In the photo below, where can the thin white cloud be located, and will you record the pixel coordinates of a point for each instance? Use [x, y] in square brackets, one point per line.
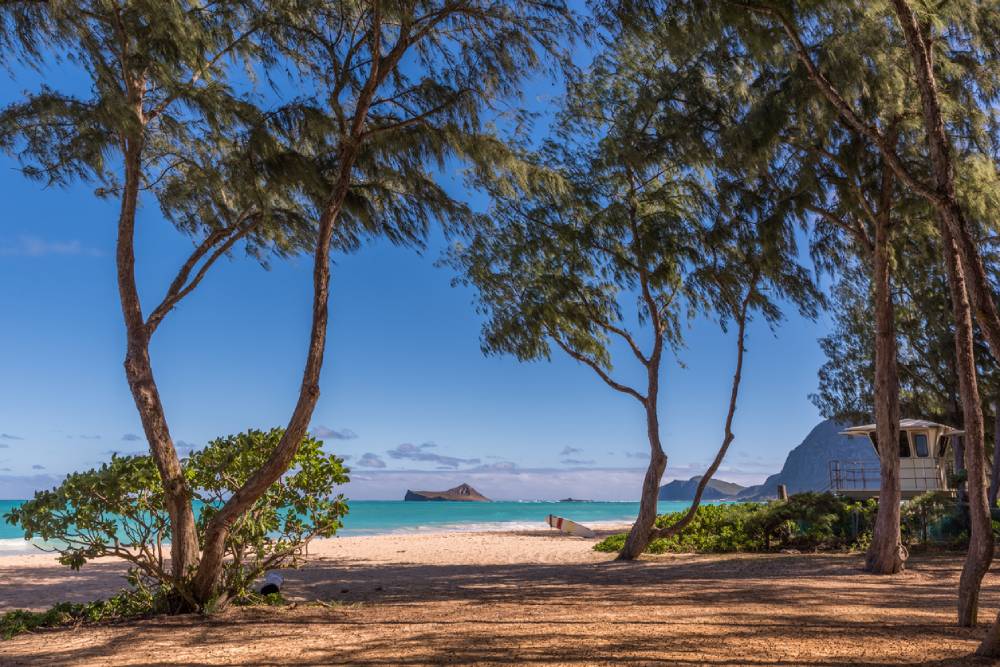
[371, 460]
[24, 486]
[326, 433]
[410, 452]
[33, 246]
[131, 437]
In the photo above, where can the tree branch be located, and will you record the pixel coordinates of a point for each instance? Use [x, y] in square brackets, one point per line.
[224, 238]
[625, 389]
[834, 97]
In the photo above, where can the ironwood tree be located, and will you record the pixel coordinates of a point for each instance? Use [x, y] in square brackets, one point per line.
[372, 96]
[624, 239]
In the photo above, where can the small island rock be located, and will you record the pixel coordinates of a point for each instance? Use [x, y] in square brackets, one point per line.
[462, 492]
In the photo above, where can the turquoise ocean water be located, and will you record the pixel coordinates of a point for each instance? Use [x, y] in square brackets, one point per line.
[372, 517]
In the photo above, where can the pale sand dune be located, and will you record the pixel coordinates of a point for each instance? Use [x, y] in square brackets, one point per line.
[517, 598]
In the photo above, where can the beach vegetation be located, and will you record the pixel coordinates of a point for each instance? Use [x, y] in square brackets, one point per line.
[119, 510]
[806, 521]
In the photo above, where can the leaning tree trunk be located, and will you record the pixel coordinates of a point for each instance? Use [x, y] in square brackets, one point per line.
[884, 554]
[728, 437]
[139, 372]
[209, 571]
[639, 535]
[980, 554]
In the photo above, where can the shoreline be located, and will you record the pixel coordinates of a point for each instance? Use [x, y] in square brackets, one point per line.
[30, 556]
[13, 547]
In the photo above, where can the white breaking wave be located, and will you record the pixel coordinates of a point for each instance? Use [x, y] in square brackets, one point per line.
[481, 527]
[19, 545]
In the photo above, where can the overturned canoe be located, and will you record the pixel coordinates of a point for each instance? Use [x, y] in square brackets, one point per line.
[570, 527]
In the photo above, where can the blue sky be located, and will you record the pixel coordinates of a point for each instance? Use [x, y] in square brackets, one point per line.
[406, 392]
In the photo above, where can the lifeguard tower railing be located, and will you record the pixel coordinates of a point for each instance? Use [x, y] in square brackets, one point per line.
[862, 478]
[854, 476]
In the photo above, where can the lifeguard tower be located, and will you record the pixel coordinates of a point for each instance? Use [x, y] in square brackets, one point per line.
[926, 461]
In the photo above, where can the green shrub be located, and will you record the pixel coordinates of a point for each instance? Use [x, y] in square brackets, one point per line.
[932, 517]
[118, 510]
[813, 521]
[804, 521]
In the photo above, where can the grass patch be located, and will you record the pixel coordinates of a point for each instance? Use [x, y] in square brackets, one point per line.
[123, 605]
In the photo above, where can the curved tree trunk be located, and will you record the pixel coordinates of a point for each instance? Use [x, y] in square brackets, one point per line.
[980, 554]
[639, 536]
[945, 200]
[884, 555]
[139, 372]
[209, 570]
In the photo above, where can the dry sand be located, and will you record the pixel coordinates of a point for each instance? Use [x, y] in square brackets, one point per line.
[517, 598]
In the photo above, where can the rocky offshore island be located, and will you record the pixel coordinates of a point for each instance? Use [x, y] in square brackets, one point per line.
[462, 492]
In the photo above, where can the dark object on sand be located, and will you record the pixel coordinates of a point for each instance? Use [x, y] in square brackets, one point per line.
[272, 584]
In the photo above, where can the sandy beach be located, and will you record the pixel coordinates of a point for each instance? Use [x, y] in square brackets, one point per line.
[518, 597]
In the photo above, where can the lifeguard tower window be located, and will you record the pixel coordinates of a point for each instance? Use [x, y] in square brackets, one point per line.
[904, 445]
[920, 444]
[942, 445]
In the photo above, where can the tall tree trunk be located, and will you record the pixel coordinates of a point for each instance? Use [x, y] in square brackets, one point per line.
[958, 449]
[968, 277]
[639, 535]
[139, 372]
[995, 468]
[980, 554]
[884, 554]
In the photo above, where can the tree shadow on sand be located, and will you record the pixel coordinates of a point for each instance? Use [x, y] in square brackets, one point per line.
[772, 609]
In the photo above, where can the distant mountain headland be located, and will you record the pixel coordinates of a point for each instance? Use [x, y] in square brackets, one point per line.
[807, 468]
[716, 489]
[462, 492]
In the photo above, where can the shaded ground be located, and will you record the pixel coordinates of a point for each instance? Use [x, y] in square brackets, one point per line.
[559, 604]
